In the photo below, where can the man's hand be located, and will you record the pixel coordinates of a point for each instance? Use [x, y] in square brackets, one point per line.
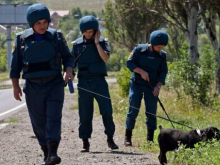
[156, 91]
[17, 93]
[143, 73]
[16, 89]
[68, 74]
[97, 36]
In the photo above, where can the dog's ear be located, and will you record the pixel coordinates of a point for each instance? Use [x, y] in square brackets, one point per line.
[160, 127]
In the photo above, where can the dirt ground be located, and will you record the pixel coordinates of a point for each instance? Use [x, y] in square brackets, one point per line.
[18, 145]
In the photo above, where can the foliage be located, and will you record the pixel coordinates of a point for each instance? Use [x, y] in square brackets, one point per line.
[203, 153]
[117, 58]
[176, 39]
[123, 80]
[128, 23]
[3, 60]
[2, 41]
[179, 111]
[198, 86]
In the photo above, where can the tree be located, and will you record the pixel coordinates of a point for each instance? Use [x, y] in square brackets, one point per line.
[176, 39]
[184, 15]
[131, 21]
[3, 60]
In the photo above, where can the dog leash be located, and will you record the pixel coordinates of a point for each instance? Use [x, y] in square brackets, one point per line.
[138, 109]
[161, 104]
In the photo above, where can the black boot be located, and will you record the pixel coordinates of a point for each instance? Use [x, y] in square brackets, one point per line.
[86, 145]
[45, 150]
[52, 153]
[150, 135]
[111, 143]
[128, 135]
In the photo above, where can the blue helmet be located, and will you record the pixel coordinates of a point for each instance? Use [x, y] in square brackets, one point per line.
[37, 12]
[159, 37]
[88, 22]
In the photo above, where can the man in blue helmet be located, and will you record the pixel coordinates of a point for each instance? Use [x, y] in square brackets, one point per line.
[91, 51]
[147, 62]
[40, 53]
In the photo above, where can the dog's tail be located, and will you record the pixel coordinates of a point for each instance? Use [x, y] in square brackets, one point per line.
[160, 126]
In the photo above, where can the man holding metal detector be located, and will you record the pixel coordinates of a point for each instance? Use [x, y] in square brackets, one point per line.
[149, 69]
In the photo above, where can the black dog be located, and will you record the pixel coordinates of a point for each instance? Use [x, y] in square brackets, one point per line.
[168, 139]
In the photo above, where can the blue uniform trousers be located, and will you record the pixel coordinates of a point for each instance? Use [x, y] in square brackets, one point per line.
[86, 107]
[45, 103]
[136, 93]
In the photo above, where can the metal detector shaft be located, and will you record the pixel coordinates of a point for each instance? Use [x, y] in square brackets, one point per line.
[165, 111]
[165, 118]
[161, 105]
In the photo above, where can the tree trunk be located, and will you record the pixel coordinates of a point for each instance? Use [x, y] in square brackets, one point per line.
[144, 40]
[218, 60]
[209, 24]
[192, 35]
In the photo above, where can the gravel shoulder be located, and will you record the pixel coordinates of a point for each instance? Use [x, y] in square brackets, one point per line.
[20, 147]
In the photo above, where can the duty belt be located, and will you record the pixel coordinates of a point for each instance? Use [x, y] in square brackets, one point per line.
[42, 80]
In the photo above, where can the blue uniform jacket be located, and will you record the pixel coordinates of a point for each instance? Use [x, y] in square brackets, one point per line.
[153, 63]
[88, 59]
[17, 61]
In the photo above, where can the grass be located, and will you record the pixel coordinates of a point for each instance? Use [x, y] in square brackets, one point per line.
[180, 111]
[12, 121]
[4, 76]
[92, 5]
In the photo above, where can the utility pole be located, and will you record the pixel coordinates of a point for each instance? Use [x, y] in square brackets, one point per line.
[11, 15]
[9, 45]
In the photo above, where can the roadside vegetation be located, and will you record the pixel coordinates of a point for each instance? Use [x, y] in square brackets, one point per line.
[191, 93]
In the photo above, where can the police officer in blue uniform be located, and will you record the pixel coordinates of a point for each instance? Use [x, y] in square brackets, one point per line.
[147, 62]
[40, 53]
[91, 51]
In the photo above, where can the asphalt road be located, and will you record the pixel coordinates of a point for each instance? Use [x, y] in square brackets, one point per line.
[8, 105]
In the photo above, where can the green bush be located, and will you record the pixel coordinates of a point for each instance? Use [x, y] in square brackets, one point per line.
[203, 153]
[3, 60]
[196, 81]
[123, 79]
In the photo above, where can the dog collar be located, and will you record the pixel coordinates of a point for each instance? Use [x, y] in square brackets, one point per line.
[198, 132]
